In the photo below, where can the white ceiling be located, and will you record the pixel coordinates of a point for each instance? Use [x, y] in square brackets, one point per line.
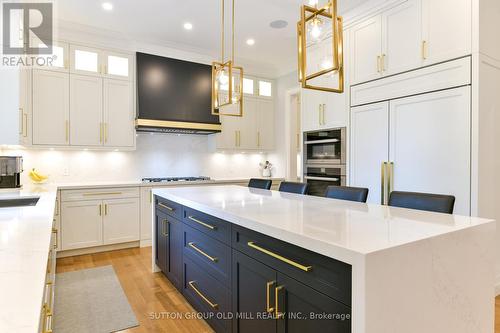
[161, 22]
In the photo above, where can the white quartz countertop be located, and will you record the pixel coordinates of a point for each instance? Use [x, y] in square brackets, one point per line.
[335, 228]
[25, 234]
[138, 183]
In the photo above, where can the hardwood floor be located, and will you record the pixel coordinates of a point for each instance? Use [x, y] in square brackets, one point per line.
[150, 293]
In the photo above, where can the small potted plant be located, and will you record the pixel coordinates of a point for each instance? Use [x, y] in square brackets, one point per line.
[266, 168]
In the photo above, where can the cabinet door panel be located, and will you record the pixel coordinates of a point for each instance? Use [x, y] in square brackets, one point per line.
[369, 147]
[228, 138]
[50, 108]
[175, 246]
[402, 50]
[430, 144]
[86, 111]
[81, 224]
[118, 114]
[447, 29]
[248, 124]
[366, 46]
[161, 241]
[300, 303]
[265, 124]
[250, 292]
[311, 109]
[85, 60]
[118, 65]
[121, 220]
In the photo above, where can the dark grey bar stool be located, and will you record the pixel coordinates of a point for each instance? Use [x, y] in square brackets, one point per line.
[358, 194]
[264, 184]
[292, 187]
[423, 201]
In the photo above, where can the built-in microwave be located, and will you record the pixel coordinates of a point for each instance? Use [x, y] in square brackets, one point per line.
[319, 177]
[325, 147]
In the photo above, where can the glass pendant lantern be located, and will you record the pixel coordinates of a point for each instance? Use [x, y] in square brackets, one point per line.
[320, 47]
[227, 79]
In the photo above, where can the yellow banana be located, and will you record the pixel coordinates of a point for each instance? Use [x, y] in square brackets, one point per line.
[34, 176]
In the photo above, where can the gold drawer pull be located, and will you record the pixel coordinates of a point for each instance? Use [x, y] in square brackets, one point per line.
[279, 257]
[101, 193]
[213, 305]
[166, 207]
[269, 308]
[47, 325]
[278, 314]
[193, 246]
[206, 225]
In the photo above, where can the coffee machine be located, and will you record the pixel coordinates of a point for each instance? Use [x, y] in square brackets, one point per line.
[10, 171]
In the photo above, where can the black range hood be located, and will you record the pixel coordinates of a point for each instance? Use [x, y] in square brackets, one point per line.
[174, 96]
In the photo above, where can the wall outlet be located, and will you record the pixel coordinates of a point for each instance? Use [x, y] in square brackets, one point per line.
[65, 171]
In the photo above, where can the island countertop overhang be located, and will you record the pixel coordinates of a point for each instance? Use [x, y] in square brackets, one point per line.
[346, 231]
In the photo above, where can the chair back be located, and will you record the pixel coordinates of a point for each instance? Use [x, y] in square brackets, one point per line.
[264, 184]
[423, 201]
[292, 187]
[357, 194]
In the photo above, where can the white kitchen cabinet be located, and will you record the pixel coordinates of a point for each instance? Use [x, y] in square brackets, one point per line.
[430, 144]
[369, 147]
[427, 139]
[12, 117]
[50, 108]
[265, 124]
[146, 214]
[97, 217]
[447, 29]
[81, 224]
[86, 125]
[118, 126]
[58, 60]
[253, 131]
[312, 108]
[248, 124]
[366, 50]
[121, 221]
[401, 37]
[323, 110]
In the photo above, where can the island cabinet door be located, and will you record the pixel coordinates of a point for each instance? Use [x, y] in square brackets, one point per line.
[254, 287]
[175, 247]
[302, 309]
[161, 241]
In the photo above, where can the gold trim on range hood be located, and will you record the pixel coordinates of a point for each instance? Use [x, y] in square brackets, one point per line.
[177, 125]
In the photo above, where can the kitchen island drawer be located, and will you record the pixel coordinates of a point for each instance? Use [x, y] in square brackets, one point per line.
[328, 276]
[210, 225]
[207, 296]
[209, 254]
[168, 207]
[99, 194]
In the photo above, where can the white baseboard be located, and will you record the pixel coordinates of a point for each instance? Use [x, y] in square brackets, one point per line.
[146, 242]
[497, 286]
[97, 249]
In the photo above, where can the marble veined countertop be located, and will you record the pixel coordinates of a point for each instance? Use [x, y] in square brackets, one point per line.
[335, 228]
[24, 247]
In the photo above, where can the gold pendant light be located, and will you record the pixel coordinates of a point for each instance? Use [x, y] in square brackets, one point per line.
[315, 29]
[227, 79]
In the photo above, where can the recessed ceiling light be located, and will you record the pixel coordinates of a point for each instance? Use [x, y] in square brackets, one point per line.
[278, 24]
[188, 26]
[250, 41]
[107, 6]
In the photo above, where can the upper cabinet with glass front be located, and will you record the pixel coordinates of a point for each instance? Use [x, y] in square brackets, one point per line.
[103, 63]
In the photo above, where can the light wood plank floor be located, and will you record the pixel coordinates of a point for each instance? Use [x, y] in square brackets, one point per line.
[151, 292]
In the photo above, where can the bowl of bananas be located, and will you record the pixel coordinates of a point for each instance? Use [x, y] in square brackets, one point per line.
[37, 178]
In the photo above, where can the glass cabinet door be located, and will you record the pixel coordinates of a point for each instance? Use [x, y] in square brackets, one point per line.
[58, 60]
[117, 65]
[85, 60]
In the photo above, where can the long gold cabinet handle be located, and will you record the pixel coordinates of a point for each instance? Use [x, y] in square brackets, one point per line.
[424, 50]
[166, 207]
[280, 257]
[277, 313]
[67, 130]
[203, 253]
[56, 232]
[383, 175]
[203, 297]
[269, 308]
[390, 182]
[383, 62]
[379, 66]
[206, 225]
